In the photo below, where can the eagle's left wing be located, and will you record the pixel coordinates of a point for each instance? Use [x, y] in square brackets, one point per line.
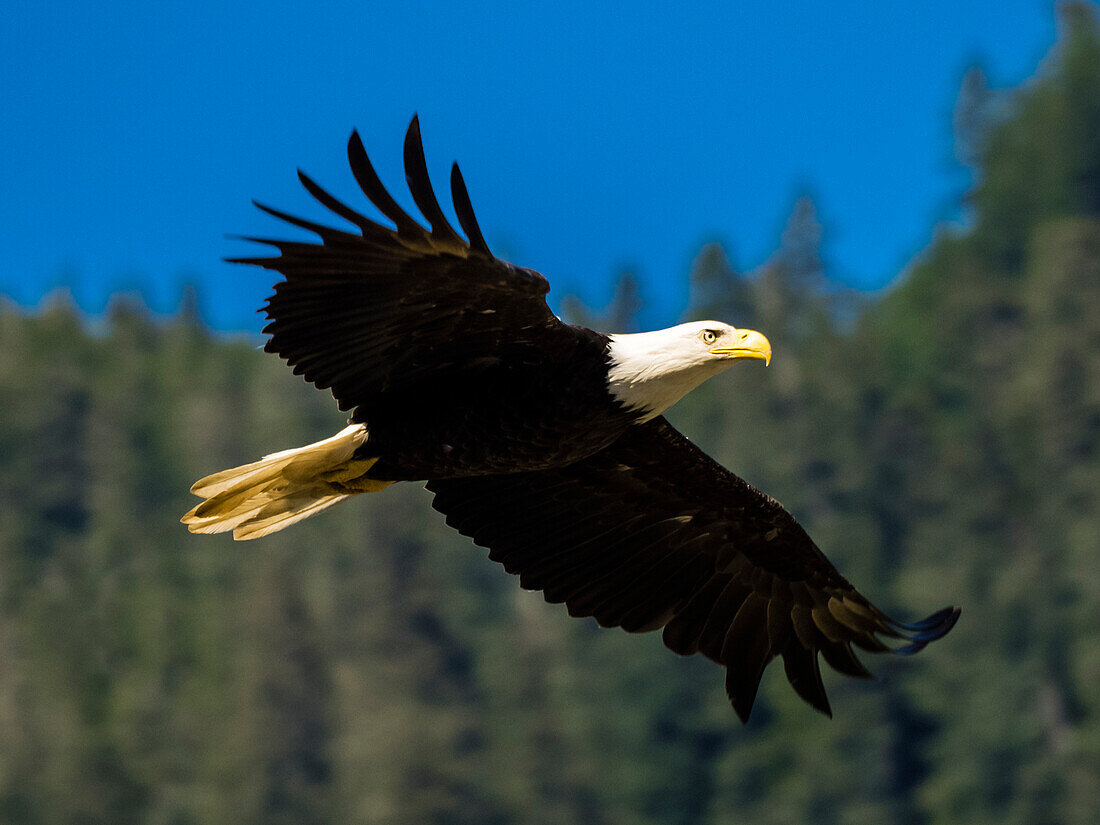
[377, 314]
[652, 532]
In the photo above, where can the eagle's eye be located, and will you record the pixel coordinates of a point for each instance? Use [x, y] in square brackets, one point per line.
[709, 336]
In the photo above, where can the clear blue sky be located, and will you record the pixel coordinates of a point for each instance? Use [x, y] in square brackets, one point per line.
[592, 136]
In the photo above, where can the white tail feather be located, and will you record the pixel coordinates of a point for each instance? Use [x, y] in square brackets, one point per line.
[280, 489]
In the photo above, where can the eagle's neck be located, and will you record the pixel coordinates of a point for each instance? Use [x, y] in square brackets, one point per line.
[648, 372]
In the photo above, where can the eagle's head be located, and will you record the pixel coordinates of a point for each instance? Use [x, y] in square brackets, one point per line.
[651, 371]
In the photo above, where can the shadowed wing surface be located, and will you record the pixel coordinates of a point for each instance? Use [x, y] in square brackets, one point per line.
[651, 532]
[380, 310]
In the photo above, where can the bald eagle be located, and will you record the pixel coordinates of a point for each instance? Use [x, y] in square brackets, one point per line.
[541, 441]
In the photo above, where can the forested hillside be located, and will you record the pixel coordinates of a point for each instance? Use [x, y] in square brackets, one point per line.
[941, 442]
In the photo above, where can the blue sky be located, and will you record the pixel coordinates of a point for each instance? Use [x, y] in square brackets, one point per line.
[593, 137]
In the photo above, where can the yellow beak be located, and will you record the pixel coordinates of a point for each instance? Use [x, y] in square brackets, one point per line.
[747, 343]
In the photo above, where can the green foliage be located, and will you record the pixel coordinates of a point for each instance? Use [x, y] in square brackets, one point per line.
[371, 666]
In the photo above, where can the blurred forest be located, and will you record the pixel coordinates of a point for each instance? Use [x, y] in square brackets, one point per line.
[941, 441]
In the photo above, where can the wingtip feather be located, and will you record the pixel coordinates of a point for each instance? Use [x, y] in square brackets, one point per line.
[464, 210]
[420, 186]
[367, 178]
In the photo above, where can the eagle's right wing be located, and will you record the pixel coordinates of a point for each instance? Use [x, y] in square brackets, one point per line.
[652, 532]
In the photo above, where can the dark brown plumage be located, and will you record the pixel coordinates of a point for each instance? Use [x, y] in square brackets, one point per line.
[651, 532]
[541, 441]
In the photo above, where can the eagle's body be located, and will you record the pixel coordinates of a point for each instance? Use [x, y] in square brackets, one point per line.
[544, 409]
[540, 440]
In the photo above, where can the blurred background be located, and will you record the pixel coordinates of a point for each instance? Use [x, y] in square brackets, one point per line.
[904, 197]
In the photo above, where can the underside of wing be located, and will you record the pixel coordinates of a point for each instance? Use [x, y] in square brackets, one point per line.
[382, 308]
[653, 533]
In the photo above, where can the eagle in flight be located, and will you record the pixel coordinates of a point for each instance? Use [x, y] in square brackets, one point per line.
[541, 441]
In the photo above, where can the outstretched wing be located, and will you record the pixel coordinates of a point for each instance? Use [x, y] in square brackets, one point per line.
[376, 311]
[652, 532]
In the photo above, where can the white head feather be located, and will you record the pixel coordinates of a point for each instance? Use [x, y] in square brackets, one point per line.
[651, 371]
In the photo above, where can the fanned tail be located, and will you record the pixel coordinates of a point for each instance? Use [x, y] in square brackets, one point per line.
[280, 489]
